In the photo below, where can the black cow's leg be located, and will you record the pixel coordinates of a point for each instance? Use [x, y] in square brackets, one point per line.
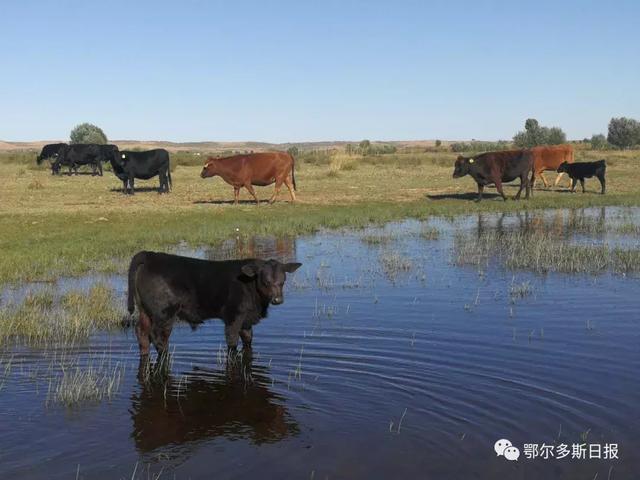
[232, 334]
[602, 183]
[246, 334]
[582, 184]
[523, 179]
[131, 186]
[160, 335]
[124, 186]
[143, 332]
[163, 183]
[574, 182]
[480, 190]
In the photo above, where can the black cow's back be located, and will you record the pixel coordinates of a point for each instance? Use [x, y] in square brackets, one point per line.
[129, 165]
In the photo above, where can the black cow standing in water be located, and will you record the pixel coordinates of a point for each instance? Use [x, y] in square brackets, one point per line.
[49, 151]
[581, 170]
[166, 288]
[128, 165]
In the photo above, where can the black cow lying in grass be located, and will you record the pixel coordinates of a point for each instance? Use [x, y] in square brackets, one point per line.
[582, 170]
[128, 166]
[166, 288]
[498, 168]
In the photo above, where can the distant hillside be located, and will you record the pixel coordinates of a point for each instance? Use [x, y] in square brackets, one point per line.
[215, 146]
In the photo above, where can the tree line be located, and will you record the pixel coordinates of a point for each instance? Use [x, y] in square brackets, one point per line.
[622, 133]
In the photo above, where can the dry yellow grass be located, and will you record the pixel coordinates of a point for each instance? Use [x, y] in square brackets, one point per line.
[346, 180]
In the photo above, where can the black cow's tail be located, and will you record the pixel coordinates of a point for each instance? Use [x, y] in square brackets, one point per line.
[293, 174]
[137, 260]
[169, 182]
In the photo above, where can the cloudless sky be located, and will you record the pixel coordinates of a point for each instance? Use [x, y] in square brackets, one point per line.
[304, 70]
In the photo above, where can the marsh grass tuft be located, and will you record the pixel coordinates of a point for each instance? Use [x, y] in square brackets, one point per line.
[520, 290]
[41, 318]
[393, 264]
[541, 252]
[92, 382]
[429, 233]
[379, 238]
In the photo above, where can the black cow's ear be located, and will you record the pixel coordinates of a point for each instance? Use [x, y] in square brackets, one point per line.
[291, 267]
[250, 270]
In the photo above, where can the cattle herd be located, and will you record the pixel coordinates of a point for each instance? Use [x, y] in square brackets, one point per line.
[527, 165]
[166, 288]
[245, 170]
[261, 169]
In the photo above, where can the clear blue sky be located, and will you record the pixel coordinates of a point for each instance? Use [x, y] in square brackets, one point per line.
[302, 70]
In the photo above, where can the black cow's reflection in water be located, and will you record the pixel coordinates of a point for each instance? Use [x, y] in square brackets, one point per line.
[236, 404]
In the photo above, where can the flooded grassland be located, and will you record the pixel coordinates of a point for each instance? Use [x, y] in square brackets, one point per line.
[402, 350]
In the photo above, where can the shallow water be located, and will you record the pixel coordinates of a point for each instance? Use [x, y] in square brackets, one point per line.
[385, 360]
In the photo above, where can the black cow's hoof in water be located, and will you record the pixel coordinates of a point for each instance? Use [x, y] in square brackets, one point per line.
[127, 321]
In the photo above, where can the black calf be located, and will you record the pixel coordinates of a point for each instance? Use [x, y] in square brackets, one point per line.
[581, 170]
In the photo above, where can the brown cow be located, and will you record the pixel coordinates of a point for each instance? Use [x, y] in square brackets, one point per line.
[250, 169]
[498, 168]
[550, 158]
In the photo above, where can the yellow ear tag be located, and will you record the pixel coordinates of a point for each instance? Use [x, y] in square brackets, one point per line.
[471, 160]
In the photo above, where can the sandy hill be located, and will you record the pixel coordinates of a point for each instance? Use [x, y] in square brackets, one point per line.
[213, 146]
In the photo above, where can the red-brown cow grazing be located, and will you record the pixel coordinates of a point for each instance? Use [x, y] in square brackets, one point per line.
[550, 158]
[259, 169]
[497, 168]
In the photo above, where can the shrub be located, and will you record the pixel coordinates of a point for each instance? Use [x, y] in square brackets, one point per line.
[87, 133]
[624, 132]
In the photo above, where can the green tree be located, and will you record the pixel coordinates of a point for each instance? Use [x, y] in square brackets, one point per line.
[293, 151]
[438, 143]
[88, 133]
[598, 141]
[365, 147]
[554, 136]
[534, 135]
[623, 132]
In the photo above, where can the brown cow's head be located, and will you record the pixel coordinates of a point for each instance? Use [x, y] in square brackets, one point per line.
[461, 167]
[209, 169]
[269, 276]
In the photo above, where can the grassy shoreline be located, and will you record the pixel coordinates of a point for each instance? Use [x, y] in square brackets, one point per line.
[43, 248]
[69, 226]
